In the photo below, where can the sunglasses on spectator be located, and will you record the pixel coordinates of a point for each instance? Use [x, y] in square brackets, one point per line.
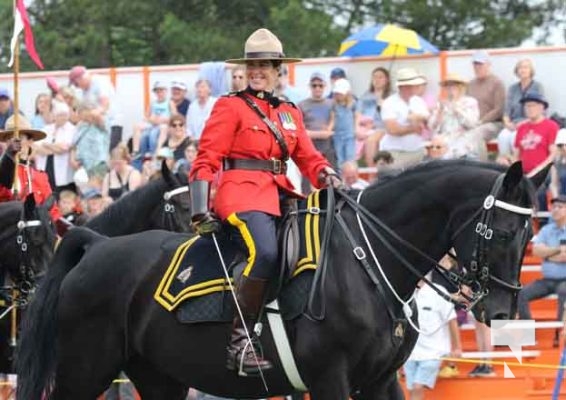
[177, 125]
[316, 85]
[560, 145]
[437, 147]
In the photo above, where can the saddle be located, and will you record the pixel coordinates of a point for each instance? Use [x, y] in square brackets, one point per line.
[195, 287]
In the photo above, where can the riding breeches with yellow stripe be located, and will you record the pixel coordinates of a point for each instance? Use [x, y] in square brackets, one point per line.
[258, 239]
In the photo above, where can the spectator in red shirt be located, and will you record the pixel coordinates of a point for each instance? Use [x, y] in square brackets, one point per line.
[534, 143]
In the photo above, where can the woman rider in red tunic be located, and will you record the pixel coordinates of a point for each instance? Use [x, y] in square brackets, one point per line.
[249, 135]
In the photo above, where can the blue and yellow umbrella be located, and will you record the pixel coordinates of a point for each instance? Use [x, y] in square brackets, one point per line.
[385, 40]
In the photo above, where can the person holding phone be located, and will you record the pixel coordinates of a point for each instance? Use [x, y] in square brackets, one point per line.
[550, 245]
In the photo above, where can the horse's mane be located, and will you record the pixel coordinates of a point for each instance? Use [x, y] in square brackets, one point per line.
[424, 171]
[124, 209]
[434, 166]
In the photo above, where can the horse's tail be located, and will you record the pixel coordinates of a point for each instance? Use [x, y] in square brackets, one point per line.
[36, 358]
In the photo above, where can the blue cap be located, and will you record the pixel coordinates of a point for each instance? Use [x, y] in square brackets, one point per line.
[536, 97]
[337, 73]
[4, 93]
[92, 193]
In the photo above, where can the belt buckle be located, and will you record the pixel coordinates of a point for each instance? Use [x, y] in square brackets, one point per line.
[276, 166]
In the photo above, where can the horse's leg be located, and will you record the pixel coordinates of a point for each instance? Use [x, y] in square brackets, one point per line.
[390, 390]
[332, 385]
[152, 384]
[90, 356]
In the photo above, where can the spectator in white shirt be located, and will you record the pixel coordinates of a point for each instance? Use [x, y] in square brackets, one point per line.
[53, 152]
[403, 138]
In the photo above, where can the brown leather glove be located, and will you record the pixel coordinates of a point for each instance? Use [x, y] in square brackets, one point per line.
[206, 224]
[331, 178]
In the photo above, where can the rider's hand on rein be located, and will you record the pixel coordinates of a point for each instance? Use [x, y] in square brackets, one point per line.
[206, 224]
[331, 178]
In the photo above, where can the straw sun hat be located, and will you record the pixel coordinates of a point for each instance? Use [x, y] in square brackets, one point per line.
[24, 129]
[263, 45]
[453, 78]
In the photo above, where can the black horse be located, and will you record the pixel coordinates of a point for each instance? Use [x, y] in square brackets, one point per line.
[161, 204]
[95, 315]
[26, 246]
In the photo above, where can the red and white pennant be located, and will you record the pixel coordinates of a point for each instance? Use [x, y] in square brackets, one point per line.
[21, 22]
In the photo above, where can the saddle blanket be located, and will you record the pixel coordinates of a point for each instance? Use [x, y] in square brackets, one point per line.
[195, 287]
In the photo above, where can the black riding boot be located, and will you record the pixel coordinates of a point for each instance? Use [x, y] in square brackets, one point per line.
[250, 293]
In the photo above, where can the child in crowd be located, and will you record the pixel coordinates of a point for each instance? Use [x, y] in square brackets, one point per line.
[344, 119]
[69, 205]
[150, 134]
[440, 337]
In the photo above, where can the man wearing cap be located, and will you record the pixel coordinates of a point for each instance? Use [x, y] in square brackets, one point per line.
[550, 245]
[317, 112]
[28, 178]
[489, 91]
[534, 143]
[100, 91]
[403, 129]
[179, 97]
[250, 135]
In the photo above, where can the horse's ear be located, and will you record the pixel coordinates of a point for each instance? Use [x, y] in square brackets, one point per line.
[29, 205]
[539, 176]
[513, 175]
[167, 174]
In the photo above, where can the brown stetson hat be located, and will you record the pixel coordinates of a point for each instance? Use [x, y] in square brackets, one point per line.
[24, 129]
[263, 45]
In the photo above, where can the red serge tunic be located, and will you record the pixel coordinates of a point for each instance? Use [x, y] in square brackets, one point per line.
[235, 131]
[40, 188]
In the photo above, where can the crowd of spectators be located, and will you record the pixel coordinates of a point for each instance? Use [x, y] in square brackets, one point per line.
[391, 126]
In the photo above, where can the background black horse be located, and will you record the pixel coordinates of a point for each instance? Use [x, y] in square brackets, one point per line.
[140, 210]
[95, 314]
[147, 208]
[24, 254]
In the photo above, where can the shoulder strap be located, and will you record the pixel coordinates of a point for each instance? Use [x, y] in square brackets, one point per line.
[272, 127]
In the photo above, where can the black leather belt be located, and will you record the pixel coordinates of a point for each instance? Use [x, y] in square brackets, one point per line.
[275, 166]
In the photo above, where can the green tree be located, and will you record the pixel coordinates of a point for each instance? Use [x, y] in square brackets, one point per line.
[153, 32]
[450, 24]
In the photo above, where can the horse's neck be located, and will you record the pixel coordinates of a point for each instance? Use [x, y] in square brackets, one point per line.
[130, 214]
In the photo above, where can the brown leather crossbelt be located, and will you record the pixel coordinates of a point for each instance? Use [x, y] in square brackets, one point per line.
[274, 165]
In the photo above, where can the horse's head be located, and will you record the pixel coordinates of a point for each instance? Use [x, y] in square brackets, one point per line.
[490, 244]
[175, 213]
[36, 240]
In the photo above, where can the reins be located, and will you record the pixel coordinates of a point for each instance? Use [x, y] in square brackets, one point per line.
[476, 277]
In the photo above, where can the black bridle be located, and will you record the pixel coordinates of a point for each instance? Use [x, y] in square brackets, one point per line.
[478, 274]
[24, 278]
[169, 207]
